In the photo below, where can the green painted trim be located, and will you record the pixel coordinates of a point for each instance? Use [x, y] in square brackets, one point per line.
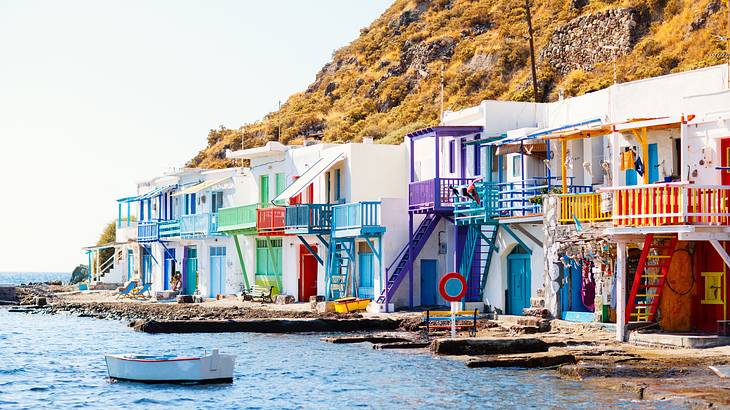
[273, 262]
[240, 259]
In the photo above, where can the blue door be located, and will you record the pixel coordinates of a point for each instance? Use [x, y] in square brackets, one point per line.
[653, 164]
[130, 264]
[518, 281]
[429, 282]
[170, 267]
[146, 266]
[366, 271]
[571, 292]
[217, 271]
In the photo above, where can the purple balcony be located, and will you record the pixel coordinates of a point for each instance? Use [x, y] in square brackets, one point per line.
[433, 194]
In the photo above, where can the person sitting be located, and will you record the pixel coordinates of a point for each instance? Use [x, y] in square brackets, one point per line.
[176, 281]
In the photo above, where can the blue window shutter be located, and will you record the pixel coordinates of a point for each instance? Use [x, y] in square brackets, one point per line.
[477, 157]
[452, 156]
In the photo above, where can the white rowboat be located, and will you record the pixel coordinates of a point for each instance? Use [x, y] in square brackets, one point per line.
[212, 368]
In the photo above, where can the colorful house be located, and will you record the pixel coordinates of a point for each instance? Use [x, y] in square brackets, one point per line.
[327, 197]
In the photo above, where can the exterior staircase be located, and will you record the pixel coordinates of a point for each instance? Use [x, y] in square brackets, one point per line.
[480, 245]
[399, 265]
[340, 264]
[650, 277]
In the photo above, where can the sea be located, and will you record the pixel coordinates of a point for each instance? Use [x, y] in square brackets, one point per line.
[57, 362]
[19, 278]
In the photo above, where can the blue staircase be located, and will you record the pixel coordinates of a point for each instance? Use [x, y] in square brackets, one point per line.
[400, 264]
[480, 245]
[339, 268]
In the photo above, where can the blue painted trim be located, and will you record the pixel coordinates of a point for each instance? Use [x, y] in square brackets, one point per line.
[517, 238]
[324, 241]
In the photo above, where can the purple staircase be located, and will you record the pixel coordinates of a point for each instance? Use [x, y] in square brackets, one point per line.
[399, 265]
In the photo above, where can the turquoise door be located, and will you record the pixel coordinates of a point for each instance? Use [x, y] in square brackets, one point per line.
[366, 271]
[518, 281]
[130, 264]
[217, 270]
[653, 167]
[191, 271]
[428, 282]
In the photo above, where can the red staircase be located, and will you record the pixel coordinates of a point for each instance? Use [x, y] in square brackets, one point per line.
[650, 276]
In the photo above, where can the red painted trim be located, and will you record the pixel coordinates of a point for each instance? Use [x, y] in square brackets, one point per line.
[179, 359]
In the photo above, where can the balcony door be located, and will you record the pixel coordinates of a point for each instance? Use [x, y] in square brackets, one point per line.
[725, 161]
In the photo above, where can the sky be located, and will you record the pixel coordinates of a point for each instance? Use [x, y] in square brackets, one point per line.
[96, 96]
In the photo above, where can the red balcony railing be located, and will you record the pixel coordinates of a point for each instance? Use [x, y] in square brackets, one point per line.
[271, 221]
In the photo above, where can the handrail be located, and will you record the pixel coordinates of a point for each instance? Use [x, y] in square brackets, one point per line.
[356, 215]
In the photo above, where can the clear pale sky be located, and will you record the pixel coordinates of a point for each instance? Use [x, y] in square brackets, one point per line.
[98, 95]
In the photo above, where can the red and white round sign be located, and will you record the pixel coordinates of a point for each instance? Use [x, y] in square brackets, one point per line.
[452, 287]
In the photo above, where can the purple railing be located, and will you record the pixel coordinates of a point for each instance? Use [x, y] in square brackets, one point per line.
[433, 193]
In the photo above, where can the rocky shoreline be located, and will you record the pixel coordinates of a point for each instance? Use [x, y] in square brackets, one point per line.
[575, 352]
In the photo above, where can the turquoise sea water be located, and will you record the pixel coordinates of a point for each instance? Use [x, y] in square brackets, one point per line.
[51, 362]
[18, 278]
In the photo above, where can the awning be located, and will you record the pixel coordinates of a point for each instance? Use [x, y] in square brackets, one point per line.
[105, 246]
[202, 186]
[310, 175]
[580, 133]
[151, 194]
[535, 147]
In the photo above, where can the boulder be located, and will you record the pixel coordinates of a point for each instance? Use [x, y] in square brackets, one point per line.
[489, 346]
[325, 307]
[529, 361]
[284, 299]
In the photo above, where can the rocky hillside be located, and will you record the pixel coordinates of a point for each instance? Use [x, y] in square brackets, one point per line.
[387, 82]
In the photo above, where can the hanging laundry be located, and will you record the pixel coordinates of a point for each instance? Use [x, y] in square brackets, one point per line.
[627, 159]
[639, 166]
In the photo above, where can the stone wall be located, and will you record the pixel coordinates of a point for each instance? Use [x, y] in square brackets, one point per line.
[582, 42]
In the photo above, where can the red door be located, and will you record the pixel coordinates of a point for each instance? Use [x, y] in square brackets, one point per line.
[307, 274]
[725, 162]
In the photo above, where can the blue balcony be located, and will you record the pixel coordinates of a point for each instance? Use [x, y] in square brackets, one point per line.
[509, 200]
[198, 225]
[155, 230]
[312, 219]
[357, 219]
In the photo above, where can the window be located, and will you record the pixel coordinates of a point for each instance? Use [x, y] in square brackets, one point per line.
[452, 156]
[327, 186]
[189, 204]
[516, 166]
[216, 202]
[264, 189]
[338, 186]
[477, 157]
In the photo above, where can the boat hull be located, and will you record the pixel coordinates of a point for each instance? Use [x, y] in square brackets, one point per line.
[213, 368]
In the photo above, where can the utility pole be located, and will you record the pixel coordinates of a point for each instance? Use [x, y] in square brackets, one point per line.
[441, 112]
[532, 50]
[279, 136]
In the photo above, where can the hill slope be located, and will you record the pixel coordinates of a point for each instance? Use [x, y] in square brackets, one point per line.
[387, 82]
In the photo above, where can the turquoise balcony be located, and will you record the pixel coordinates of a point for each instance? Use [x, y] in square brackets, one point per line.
[238, 220]
[313, 219]
[357, 219]
[198, 225]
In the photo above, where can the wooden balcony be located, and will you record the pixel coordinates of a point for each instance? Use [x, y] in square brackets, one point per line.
[271, 221]
[314, 219]
[238, 220]
[357, 219]
[198, 225]
[582, 207]
[508, 200]
[433, 194]
[156, 230]
[671, 204]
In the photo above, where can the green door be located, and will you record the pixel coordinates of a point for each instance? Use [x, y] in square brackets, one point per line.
[264, 190]
[268, 263]
[191, 270]
[280, 185]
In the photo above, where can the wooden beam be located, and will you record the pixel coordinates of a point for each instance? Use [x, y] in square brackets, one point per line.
[721, 251]
[517, 238]
[240, 260]
[528, 234]
[620, 291]
[563, 152]
[310, 249]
